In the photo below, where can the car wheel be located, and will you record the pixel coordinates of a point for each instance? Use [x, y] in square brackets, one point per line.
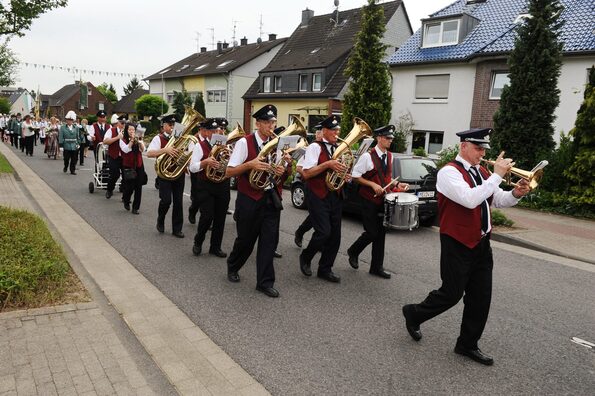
[298, 197]
[91, 187]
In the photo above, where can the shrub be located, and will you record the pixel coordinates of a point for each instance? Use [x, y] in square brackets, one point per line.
[420, 152]
[447, 155]
[499, 219]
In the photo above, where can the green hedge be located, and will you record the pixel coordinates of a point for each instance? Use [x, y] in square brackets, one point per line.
[4, 165]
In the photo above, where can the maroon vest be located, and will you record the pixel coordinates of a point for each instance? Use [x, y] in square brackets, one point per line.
[244, 179]
[163, 140]
[113, 150]
[317, 184]
[376, 175]
[206, 151]
[98, 134]
[457, 221]
[129, 158]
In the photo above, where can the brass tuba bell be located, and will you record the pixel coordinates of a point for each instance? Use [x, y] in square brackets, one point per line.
[222, 153]
[532, 177]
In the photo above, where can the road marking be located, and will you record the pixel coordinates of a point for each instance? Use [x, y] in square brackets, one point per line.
[582, 342]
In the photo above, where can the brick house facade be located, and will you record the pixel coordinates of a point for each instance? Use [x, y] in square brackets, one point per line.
[483, 109]
[68, 98]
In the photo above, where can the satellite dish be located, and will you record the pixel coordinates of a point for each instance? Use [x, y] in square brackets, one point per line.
[336, 3]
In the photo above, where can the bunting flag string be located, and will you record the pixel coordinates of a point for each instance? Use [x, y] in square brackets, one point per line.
[83, 71]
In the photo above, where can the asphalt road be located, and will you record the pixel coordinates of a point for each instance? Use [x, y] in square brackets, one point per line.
[349, 338]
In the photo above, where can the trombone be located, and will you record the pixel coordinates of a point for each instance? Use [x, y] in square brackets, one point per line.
[532, 177]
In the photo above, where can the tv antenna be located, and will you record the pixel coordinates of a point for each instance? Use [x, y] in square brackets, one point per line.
[212, 37]
[197, 39]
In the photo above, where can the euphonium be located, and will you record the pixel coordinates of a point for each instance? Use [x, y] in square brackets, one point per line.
[261, 179]
[532, 177]
[335, 180]
[170, 167]
[221, 153]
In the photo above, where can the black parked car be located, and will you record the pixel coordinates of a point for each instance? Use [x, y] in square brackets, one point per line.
[418, 172]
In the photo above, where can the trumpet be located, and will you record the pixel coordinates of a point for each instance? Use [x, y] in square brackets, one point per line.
[532, 177]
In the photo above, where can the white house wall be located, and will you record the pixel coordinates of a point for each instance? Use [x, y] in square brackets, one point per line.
[450, 116]
[571, 83]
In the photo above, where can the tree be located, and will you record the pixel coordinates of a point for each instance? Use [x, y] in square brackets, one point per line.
[108, 92]
[181, 99]
[199, 104]
[8, 65]
[403, 129]
[369, 93]
[16, 16]
[4, 106]
[523, 125]
[150, 106]
[131, 86]
[581, 171]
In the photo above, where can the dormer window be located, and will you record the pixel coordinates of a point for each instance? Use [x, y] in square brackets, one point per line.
[521, 18]
[441, 33]
[182, 68]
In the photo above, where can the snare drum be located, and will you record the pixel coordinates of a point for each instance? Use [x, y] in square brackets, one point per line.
[400, 211]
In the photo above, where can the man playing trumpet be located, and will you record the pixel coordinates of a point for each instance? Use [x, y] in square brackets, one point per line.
[465, 193]
[373, 171]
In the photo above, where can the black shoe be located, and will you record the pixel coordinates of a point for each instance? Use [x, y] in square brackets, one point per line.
[305, 266]
[412, 327]
[127, 205]
[277, 254]
[381, 273]
[196, 250]
[269, 291]
[108, 194]
[192, 218]
[298, 239]
[353, 261]
[160, 227]
[218, 253]
[329, 276]
[475, 354]
[233, 276]
[178, 234]
[64, 169]
[135, 211]
[73, 173]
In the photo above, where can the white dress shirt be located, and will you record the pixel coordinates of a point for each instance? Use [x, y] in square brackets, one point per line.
[108, 134]
[196, 158]
[312, 154]
[365, 164]
[155, 143]
[240, 151]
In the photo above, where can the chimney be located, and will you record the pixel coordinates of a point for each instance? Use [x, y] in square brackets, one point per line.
[272, 37]
[244, 41]
[219, 47]
[203, 49]
[225, 45]
[306, 16]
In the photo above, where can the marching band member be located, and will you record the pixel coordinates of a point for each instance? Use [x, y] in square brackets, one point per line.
[307, 223]
[465, 192]
[194, 203]
[98, 130]
[114, 160]
[324, 206]
[257, 212]
[15, 130]
[373, 171]
[212, 198]
[69, 139]
[170, 191]
[132, 158]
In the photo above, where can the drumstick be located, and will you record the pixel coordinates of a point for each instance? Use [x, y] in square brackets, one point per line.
[388, 185]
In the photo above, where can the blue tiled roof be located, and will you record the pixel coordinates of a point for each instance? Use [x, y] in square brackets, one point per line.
[496, 31]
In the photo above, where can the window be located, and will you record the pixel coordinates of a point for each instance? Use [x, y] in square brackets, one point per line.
[170, 98]
[432, 87]
[182, 68]
[100, 106]
[277, 83]
[201, 67]
[216, 96]
[316, 81]
[266, 84]
[499, 80]
[227, 62]
[441, 33]
[303, 82]
[431, 142]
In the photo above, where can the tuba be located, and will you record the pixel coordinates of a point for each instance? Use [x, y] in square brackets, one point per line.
[261, 179]
[221, 153]
[335, 180]
[170, 167]
[532, 177]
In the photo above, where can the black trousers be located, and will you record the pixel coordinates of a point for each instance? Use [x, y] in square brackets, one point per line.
[325, 215]
[22, 143]
[29, 143]
[114, 171]
[172, 191]
[213, 200]
[14, 140]
[304, 227]
[465, 272]
[374, 233]
[255, 220]
[135, 187]
[70, 160]
[194, 206]
[82, 153]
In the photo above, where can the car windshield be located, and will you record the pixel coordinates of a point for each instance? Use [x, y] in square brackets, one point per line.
[416, 168]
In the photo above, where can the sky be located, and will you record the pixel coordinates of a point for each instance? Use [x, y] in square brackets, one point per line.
[142, 37]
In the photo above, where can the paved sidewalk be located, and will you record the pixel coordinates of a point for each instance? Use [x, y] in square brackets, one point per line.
[560, 235]
[192, 363]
